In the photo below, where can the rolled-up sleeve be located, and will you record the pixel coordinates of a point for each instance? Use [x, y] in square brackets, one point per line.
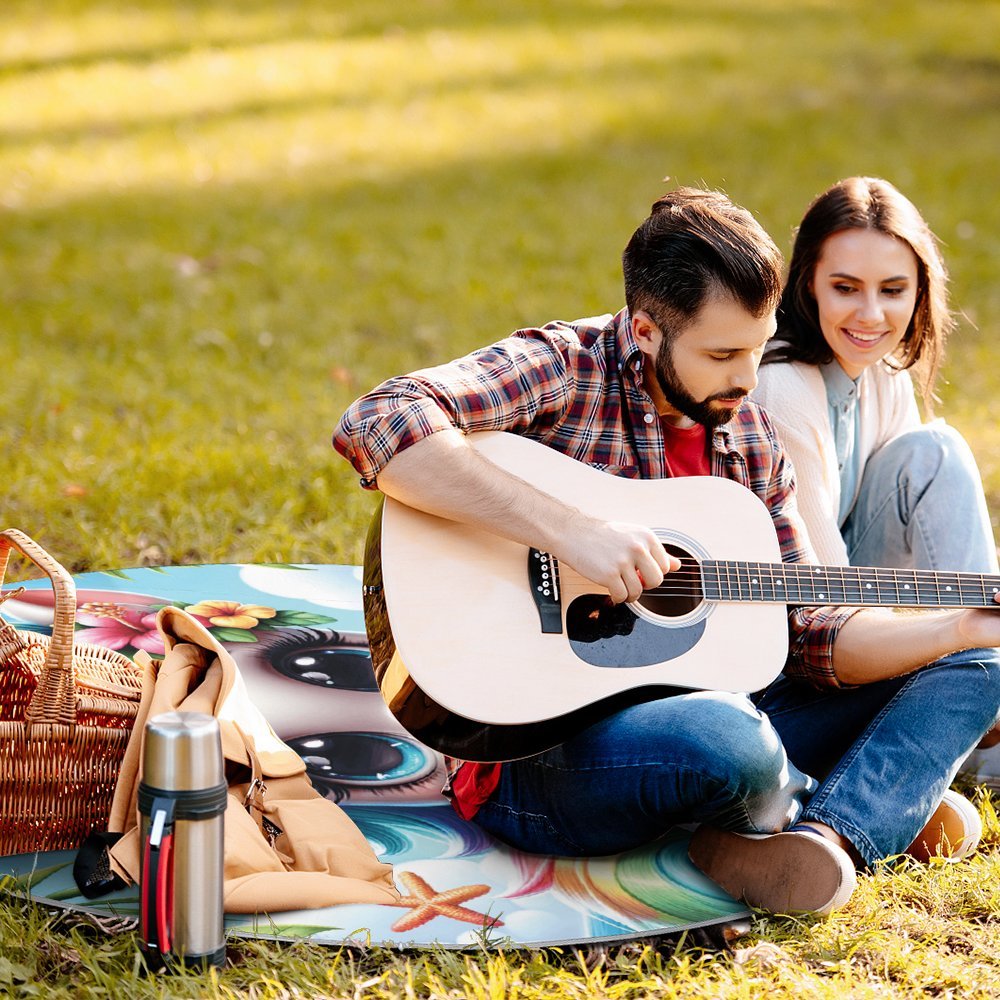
[517, 383]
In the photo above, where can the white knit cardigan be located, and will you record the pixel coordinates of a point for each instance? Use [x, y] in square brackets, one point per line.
[794, 395]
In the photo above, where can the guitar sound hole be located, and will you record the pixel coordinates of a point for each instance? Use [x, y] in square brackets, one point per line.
[680, 593]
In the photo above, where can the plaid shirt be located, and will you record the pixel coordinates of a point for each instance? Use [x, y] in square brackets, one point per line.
[577, 387]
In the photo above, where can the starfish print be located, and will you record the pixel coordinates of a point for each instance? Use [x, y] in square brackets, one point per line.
[426, 904]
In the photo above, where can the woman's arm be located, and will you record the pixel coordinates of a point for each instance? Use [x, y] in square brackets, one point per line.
[878, 643]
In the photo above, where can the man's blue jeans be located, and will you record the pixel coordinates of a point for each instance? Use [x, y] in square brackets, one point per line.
[872, 762]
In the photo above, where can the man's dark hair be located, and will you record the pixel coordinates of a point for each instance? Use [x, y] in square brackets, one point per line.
[694, 244]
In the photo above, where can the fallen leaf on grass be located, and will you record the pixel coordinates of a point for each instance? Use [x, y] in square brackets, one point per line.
[765, 954]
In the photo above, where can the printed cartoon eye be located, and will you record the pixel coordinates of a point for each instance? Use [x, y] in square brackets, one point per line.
[337, 762]
[317, 656]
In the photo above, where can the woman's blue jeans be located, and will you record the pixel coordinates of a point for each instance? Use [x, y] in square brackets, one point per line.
[920, 505]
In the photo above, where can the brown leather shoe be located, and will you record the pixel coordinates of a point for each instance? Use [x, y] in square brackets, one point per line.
[953, 832]
[788, 872]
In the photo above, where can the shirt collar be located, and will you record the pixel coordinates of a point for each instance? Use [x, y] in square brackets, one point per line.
[630, 357]
[840, 387]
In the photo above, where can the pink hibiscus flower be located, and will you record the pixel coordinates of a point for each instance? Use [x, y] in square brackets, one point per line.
[114, 626]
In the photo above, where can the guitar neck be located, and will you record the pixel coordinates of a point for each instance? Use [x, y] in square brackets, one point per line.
[801, 583]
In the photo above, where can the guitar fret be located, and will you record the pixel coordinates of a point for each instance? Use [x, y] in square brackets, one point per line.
[889, 587]
[909, 592]
[729, 583]
[949, 589]
[867, 586]
[781, 584]
[706, 569]
[799, 597]
[771, 589]
[851, 584]
[766, 582]
[829, 594]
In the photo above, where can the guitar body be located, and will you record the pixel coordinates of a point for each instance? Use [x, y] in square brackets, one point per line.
[458, 636]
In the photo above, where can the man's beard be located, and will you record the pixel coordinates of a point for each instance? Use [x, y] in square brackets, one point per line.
[680, 399]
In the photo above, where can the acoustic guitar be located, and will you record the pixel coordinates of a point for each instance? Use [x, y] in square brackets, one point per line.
[488, 650]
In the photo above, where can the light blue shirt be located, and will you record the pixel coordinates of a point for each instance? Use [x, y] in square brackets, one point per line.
[842, 402]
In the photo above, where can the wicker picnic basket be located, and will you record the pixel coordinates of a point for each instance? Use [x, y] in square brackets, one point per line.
[66, 712]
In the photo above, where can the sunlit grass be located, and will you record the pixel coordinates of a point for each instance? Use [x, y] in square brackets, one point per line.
[220, 224]
[909, 932]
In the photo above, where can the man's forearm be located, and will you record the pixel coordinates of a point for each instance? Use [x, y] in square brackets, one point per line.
[444, 475]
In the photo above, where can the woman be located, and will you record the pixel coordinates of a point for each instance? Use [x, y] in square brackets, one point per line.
[865, 304]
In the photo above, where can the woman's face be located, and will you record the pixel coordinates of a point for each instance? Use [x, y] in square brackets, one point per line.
[865, 285]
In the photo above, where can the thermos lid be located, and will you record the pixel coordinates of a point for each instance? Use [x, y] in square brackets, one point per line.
[182, 752]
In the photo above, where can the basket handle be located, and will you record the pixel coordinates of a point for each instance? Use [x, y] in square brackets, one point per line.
[54, 700]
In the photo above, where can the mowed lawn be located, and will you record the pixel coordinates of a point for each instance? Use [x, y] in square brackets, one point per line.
[221, 221]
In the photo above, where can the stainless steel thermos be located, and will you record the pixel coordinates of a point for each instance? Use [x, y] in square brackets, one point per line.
[182, 800]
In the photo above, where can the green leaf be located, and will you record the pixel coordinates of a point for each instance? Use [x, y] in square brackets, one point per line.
[300, 618]
[11, 972]
[118, 573]
[233, 634]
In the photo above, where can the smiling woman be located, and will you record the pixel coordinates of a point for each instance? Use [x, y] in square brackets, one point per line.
[864, 304]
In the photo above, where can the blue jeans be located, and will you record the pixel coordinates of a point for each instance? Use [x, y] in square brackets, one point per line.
[921, 506]
[623, 782]
[884, 754]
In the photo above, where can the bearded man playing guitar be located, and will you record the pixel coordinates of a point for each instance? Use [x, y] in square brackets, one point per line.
[843, 760]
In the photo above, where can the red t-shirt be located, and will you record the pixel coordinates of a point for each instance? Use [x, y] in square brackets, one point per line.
[686, 450]
[686, 455]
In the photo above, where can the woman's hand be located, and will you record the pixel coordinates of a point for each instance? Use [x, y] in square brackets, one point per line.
[980, 627]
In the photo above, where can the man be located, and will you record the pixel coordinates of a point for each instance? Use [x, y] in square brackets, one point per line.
[851, 750]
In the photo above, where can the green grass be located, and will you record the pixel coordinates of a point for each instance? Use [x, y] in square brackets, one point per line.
[910, 932]
[221, 221]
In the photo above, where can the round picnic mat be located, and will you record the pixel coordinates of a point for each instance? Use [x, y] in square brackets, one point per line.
[297, 634]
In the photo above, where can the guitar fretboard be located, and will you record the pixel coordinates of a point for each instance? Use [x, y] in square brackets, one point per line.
[792, 583]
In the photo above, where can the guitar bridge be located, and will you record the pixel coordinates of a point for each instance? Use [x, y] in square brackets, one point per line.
[543, 578]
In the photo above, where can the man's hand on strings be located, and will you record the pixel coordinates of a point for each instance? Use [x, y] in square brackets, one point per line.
[624, 558]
